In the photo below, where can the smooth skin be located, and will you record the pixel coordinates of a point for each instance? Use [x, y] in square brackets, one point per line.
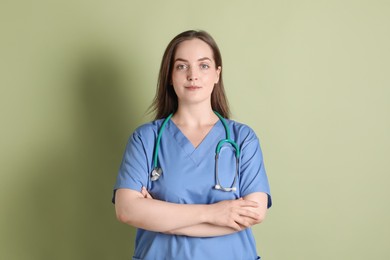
[193, 78]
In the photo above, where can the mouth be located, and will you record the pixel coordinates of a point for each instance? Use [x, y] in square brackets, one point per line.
[192, 87]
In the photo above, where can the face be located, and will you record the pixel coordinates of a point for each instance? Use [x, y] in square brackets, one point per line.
[194, 72]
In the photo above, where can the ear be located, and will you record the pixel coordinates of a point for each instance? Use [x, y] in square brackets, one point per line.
[218, 71]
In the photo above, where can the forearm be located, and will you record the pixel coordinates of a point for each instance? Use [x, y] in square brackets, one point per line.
[202, 230]
[156, 215]
[262, 199]
[209, 230]
[140, 210]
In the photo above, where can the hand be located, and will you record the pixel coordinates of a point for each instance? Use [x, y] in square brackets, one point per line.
[236, 214]
[145, 193]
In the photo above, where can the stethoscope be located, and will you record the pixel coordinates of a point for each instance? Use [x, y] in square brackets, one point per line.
[157, 171]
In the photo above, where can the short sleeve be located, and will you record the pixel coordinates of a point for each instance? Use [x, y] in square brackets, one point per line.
[133, 171]
[253, 177]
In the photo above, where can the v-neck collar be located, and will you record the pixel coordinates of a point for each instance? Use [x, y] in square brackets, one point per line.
[210, 141]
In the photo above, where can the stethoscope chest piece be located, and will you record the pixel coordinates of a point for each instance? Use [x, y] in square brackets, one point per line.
[156, 173]
[227, 189]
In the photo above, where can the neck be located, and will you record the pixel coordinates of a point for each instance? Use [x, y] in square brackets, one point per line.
[195, 116]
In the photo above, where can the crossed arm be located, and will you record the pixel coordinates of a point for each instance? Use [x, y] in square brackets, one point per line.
[140, 210]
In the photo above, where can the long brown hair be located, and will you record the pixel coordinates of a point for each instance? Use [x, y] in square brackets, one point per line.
[165, 101]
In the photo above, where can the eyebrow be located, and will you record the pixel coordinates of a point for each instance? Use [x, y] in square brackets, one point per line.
[201, 59]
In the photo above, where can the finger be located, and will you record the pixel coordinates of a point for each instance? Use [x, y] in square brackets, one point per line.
[236, 226]
[242, 223]
[248, 203]
[245, 222]
[248, 213]
[239, 222]
[146, 194]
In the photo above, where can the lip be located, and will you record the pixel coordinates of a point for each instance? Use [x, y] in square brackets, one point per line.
[192, 87]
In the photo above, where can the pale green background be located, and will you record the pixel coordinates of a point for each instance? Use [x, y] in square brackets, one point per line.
[311, 78]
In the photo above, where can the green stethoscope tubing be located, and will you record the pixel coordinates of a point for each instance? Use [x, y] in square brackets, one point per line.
[155, 156]
[156, 173]
[228, 139]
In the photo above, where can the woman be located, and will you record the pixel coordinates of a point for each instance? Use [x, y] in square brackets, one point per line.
[185, 203]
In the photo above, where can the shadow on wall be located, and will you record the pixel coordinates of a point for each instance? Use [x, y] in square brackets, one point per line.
[66, 200]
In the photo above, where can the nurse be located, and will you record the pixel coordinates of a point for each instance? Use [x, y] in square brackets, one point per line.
[190, 211]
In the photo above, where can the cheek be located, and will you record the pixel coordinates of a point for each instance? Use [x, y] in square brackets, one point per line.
[211, 79]
[177, 77]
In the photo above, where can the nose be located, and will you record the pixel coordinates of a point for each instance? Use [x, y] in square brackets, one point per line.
[192, 74]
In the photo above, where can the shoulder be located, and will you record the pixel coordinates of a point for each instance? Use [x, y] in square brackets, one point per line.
[246, 139]
[242, 131]
[147, 131]
[148, 128]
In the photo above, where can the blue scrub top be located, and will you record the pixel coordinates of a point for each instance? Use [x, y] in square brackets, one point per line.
[188, 178]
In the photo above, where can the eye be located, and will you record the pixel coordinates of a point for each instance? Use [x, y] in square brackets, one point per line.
[204, 66]
[181, 66]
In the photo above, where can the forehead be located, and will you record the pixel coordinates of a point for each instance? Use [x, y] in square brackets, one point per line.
[194, 49]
